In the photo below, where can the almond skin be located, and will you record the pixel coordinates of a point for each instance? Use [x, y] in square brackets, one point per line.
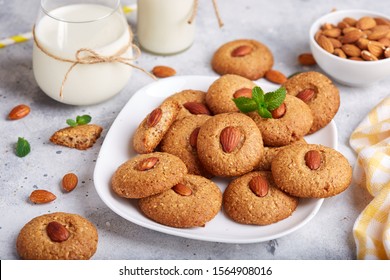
[242, 51]
[69, 182]
[57, 232]
[275, 77]
[163, 71]
[18, 112]
[351, 37]
[182, 189]
[306, 95]
[42, 196]
[147, 163]
[243, 92]
[325, 43]
[313, 159]
[229, 138]
[279, 112]
[197, 108]
[259, 186]
[365, 23]
[306, 59]
[194, 137]
[366, 55]
[154, 117]
[351, 50]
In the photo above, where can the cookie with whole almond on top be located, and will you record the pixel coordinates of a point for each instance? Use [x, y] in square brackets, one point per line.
[154, 126]
[311, 171]
[319, 93]
[255, 199]
[247, 58]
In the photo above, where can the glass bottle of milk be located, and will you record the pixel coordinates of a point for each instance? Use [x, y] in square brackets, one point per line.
[163, 27]
[64, 27]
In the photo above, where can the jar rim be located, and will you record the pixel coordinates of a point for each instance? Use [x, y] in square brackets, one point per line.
[50, 14]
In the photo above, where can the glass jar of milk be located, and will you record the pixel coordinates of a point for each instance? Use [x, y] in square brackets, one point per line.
[66, 27]
[163, 27]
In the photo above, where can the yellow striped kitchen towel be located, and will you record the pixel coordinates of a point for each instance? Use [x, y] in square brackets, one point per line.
[371, 141]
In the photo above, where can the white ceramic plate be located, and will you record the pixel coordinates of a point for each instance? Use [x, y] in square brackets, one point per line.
[117, 148]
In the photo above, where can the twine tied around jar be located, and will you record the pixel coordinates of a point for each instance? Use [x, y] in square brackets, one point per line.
[195, 10]
[90, 56]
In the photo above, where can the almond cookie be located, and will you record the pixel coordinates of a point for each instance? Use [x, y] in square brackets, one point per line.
[247, 58]
[219, 97]
[270, 153]
[153, 128]
[80, 137]
[229, 144]
[191, 102]
[311, 170]
[319, 93]
[254, 199]
[181, 139]
[191, 203]
[57, 236]
[147, 174]
[294, 123]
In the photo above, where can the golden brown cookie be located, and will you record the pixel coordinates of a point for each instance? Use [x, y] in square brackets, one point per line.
[229, 144]
[311, 170]
[153, 128]
[181, 139]
[247, 58]
[191, 102]
[293, 125]
[192, 203]
[57, 236]
[317, 91]
[147, 174]
[219, 97]
[80, 137]
[270, 153]
[255, 199]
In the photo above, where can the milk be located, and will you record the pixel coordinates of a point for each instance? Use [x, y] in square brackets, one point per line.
[162, 25]
[78, 28]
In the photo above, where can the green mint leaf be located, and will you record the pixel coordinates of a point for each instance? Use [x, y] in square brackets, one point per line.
[22, 147]
[245, 104]
[275, 98]
[264, 113]
[258, 95]
[84, 119]
[71, 122]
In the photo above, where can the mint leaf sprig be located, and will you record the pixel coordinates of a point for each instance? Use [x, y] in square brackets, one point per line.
[260, 102]
[22, 147]
[80, 120]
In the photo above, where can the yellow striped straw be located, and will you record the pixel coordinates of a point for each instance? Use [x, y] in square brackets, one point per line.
[20, 38]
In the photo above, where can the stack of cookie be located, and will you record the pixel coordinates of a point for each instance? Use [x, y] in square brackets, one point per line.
[194, 136]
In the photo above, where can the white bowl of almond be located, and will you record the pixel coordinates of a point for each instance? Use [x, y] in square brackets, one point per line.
[352, 46]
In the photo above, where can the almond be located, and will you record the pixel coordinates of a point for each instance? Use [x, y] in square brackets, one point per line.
[362, 43]
[41, 196]
[327, 26]
[57, 232]
[306, 95]
[340, 53]
[242, 51]
[230, 138]
[335, 42]
[69, 182]
[147, 163]
[387, 52]
[375, 48]
[385, 42]
[365, 23]
[163, 71]
[332, 32]
[279, 112]
[366, 55]
[381, 21]
[182, 189]
[356, 58]
[351, 50]
[313, 159]
[194, 137]
[349, 29]
[317, 35]
[342, 25]
[351, 37]
[243, 92]
[197, 108]
[350, 21]
[325, 43]
[259, 186]
[275, 76]
[154, 117]
[19, 112]
[379, 34]
[306, 59]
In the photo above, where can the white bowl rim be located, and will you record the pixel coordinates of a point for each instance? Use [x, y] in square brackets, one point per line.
[323, 18]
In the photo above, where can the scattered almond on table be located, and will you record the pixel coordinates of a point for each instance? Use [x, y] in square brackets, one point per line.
[275, 76]
[42, 196]
[69, 182]
[163, 71]
[306, 59]
[19, 111]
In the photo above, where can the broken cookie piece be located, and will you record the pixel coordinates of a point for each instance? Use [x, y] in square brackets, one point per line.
[80, 137]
